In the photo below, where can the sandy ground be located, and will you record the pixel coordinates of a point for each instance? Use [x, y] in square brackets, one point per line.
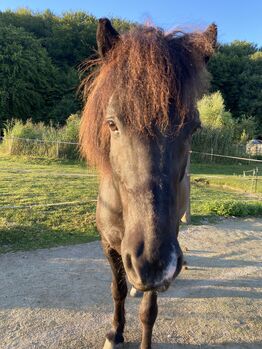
[59, 298]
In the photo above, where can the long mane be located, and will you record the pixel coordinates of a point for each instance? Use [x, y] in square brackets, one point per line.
[144, 72]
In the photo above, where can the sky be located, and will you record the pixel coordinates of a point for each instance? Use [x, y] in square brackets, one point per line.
[236, 19]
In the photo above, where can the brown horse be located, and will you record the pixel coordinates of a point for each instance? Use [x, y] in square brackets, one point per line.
[136, 128]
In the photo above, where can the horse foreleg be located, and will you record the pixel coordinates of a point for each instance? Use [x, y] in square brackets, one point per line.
[119, 293]
[148, 314]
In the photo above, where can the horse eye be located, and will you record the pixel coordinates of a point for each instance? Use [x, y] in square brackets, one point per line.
[112, 126]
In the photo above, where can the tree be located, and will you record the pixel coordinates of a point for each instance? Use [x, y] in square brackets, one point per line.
[212, 112]
[72, 39]
[26, 75]
[237, 73]
[63, 42]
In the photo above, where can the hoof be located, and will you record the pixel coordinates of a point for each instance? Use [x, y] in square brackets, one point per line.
[135, 293]
[110, 345]
[114, 340]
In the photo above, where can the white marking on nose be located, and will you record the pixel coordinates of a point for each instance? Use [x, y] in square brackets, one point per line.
[171, 268]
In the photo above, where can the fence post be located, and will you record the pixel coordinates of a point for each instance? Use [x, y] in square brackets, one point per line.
[256, 179]
[187, 216]
[57, 150]
[10, 145]
[212, 152]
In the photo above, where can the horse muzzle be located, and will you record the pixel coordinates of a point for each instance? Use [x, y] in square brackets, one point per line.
[153, 276]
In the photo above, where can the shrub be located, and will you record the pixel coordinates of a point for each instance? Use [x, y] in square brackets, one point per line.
[37, 139]
[18, 137]
[220, 133]
[246, 125]
[212, 112]
[217, 133]
[17, 128]
[216, 141]
[69, 133]
[234, 208]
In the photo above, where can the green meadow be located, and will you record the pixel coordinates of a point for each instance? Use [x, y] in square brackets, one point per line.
[46, 203]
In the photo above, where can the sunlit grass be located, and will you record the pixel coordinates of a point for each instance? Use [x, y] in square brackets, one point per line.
[230, 176]
[28, 186]
[26, 182]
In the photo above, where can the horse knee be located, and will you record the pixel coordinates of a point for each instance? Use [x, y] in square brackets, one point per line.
[119, 291]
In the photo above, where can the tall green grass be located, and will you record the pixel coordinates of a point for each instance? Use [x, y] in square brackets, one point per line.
[216, 141]
[221, 133]
[38, 139]
[227, 208]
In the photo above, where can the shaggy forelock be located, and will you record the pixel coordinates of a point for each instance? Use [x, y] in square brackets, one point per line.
[145, 72]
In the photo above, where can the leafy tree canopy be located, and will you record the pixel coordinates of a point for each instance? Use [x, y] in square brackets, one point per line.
[237, 72]
[212, 112]
[27, 75]
[40, 54]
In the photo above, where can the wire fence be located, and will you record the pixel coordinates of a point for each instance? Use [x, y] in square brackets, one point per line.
[36, 205]
[70, 150]
[36, 140]
[39, 147]
[92, 173]
[252, 175]
[211, 154]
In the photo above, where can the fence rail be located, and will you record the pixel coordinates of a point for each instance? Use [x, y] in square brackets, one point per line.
[57, 143]
[254, 179]
[47, 173]
[37, 140]
[34, 205]
[227, 156]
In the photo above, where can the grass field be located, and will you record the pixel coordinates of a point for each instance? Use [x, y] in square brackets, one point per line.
[42, 182]
[229, 175]
[47, 203]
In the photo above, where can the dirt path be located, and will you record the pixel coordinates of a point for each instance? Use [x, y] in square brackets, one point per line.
[59, 298]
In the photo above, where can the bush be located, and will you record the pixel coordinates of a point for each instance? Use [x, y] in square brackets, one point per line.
[21, 138]
[69, 133]
[28, 130]
[234, 208]
[42, 140]
[217, 132]
[220, 133]
[212, 112]
[216, 141]
[245, 129]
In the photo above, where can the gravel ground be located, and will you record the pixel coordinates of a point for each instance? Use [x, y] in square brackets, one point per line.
[60, 298]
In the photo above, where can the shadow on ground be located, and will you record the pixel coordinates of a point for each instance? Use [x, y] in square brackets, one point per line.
[242, 345]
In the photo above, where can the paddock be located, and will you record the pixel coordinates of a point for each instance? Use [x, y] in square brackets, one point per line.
[59, 297]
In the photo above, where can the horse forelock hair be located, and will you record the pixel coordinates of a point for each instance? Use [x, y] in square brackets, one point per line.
[145, 72]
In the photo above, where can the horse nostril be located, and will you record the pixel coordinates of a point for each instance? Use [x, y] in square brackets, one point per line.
[140, 250]
[128, 261]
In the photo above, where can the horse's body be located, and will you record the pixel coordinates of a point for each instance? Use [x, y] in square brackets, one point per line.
[136, 127]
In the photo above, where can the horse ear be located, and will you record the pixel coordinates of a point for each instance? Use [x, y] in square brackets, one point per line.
[211, 34]
[106, 36]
